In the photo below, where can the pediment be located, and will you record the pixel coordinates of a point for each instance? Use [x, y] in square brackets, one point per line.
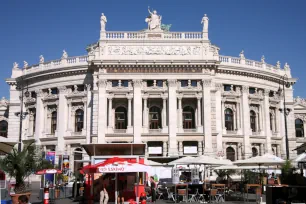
[299, 106]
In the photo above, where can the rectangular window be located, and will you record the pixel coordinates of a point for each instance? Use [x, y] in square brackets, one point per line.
[227, 87]
[115, 83]
[125, 83]
[251, 90]
[159, 83]
[54, 91]
[194, 83]
[184, 83]
[150, 83]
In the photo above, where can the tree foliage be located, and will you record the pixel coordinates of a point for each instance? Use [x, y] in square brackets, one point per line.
[20, 165]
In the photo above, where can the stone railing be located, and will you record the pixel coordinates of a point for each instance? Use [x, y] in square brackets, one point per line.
[147, 35]
[59, 63]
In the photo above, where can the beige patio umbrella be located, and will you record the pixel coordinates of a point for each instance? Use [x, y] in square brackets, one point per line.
[183, 160]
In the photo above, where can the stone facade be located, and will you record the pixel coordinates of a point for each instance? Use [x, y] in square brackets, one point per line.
[170, 90]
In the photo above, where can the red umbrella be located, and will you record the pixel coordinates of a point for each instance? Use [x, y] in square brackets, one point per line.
[48, 171]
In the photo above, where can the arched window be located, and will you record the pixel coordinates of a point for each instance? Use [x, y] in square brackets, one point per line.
[79, 120]
[53, 122]
[254, 152]
[3, 128]
[154, 117]
[188, 118]
[299, 128]
[253, 120]
[120, 118]
[230, 153]
[271, 121]
[229, 119]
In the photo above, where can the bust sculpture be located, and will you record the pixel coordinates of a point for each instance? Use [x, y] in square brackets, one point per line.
[154, 20]
[103, 21]
[15, 65]
[204, 21]
[41, 59]
[65, 55]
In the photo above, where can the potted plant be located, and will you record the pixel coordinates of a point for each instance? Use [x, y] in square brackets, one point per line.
[20, 165]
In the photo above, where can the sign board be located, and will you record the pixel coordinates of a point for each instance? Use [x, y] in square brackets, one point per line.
[123, 168]
[155, 150]
[190, 149]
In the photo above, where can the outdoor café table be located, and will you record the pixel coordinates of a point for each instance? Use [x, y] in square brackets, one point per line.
[181, 186]
[257, 190]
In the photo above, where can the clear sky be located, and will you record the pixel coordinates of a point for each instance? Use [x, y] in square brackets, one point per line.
[274, 28]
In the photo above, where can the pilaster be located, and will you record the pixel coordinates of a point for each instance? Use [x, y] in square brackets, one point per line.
[172, 109]
[129, 126]
[164, 115]
[62, 119]
[246, 122]
[88, 116]
[102, 111]
[39, 122]
[267, 121]
[219, 116]
[137, 107]
[207, 116]
[145, 114]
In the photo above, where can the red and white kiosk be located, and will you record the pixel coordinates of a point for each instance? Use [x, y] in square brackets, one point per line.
[123, 162]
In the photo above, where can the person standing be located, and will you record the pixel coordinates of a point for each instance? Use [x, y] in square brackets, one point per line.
[103, 195]
[153, 189]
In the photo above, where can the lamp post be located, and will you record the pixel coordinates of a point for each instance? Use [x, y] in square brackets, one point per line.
[284, 81]
[21, 114]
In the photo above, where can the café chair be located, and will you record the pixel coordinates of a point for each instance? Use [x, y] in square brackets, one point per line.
[170, 195]
[213, 195]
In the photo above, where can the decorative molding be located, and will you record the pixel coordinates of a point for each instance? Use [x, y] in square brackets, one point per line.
[172, 82]
[219, 86]
[245, 89]
[206, 82]
[301, 117]
[39, 93]
[102, 83]
[154, 50]
[137, 83]
[230, 106]
[254, 108]
[272, 111]
[63, 89]
[300, 101]
[266, 92]
[88, 87]
[76, 107]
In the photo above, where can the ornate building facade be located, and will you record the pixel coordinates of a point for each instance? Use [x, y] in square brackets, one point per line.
[170, 90]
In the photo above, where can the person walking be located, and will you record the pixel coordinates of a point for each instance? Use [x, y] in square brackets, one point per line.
[104, 195]
[153, 189]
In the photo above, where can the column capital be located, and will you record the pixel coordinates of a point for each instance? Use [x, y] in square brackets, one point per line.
[206, 82]
[172, 82]
[198, 96]
[102, 83]
[219, 86]
[62, 89]
[137, 83]
[266, 92]
[164, 97]
[129, 96]
[39, 93]
[245, 89]
[110, 96]
[179, 96]
[145, 97]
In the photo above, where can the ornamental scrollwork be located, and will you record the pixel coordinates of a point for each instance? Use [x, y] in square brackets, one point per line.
[230, 106]
[219, 86]
[88, 87]
[245, 89]
[301, 101]
[301, 117]
[62, 89]
[77, 107]
[39, 93]
[102, 83]
[207, 82]
[154, 50]
[172, 82]
[51, 110]
[272, 112]
[254, 108]
[137, 83]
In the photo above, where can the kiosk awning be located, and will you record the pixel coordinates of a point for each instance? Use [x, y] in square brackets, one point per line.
[113, 149]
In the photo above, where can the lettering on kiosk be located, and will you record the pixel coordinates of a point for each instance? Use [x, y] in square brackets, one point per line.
[111, 169]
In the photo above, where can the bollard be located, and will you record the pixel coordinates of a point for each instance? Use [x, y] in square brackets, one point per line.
[46, 195]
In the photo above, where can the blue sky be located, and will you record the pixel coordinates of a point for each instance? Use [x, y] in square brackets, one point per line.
[275, 28]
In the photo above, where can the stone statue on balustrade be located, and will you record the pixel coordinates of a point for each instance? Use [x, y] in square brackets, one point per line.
[25, 64]
[41, 59]
[278, 64]
[262, 59]
[65, 55]
[15, 65]
[154, 20]
[241, 55]
[286, 66]
[204, 21]
[103, 21]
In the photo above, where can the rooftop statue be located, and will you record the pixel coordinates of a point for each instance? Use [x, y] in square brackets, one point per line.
[286, 66]
[242, 55]
[25, 64]
[15, 65]
[65, 55]
[165, 27]
[154, 20]
[41, 59]
[204, 21]
[278, 64]
[103, 21]
[263, 59]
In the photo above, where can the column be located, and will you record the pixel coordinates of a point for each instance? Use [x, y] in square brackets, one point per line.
[273, 123]
[181, 151]
[246, 121]
[200, 148]
[164, 115]
[147, 150]
[129, 127]
[277, 116]
[239, 150]
[257, 122]
[62, 116]
[260, 118]
[207, 116]
[85, 117]
[165, 149]
[110, 112]
[137, 107]
[262, 151]
[223, 116]
[102, 110]
[219, 116]
[45, 119]
[88, 115]
[238, 115]
[69, 115]
[172, 112]
[145, 115]
[199, 113]
[267, 121]
[180, 114]
[235, 119]
[40, 116]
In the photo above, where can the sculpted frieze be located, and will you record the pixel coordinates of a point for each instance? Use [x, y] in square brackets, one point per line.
[300, 116]
[154, 50]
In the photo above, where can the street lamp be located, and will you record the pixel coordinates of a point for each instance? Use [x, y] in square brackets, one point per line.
[284, 80]
[21, 114]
